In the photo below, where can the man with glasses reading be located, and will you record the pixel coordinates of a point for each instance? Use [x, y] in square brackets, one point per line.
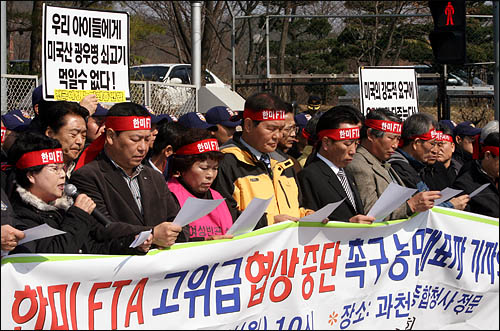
[418, 144]
[289, 137]
[252, 168]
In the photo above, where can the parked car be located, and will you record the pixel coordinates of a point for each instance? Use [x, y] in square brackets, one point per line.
[177, 73]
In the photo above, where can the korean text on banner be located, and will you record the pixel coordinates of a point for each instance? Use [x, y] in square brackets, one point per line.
[438, 269]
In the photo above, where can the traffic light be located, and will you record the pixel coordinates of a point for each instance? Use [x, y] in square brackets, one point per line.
[448, 38]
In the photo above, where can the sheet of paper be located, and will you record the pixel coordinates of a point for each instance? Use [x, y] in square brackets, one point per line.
[39, 232]
[194, 209]
[478, 190]
[249, 217]
[322, 213]
[141, 238]
[392, 198]
[446, 195]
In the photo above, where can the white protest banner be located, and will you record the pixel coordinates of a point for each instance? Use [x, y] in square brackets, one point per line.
[85, 52]
[393, 88]
[436, 270]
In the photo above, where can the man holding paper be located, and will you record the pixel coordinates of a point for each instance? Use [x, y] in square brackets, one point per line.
[380, 136]
[325, 180]
[417, 146]
[133, 197]
[483, 172]
[252, 168]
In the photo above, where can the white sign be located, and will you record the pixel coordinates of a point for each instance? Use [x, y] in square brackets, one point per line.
[85, 52]
[394, 88]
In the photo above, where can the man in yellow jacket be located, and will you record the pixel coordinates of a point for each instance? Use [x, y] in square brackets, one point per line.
[253, 168]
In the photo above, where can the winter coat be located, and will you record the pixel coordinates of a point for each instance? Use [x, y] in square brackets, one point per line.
[62, 215]
[487, 201]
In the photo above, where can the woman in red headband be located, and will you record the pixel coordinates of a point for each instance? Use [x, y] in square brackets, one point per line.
[194, 168]
[40, 199]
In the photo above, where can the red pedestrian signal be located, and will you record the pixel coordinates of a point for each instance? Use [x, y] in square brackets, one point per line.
[449, 11]
[448, 37]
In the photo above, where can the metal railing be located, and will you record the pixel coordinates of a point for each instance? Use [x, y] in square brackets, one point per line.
[161, 98]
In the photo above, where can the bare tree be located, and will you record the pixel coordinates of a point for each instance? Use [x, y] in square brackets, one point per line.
[36, 38]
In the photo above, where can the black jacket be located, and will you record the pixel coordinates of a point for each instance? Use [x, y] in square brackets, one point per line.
[104, 184]
[62, 215]
[438, 177]
[486, 202]
[407, 168]
[320, 186]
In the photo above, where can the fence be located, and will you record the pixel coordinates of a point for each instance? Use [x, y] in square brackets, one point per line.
[172, 99]
[298, 55]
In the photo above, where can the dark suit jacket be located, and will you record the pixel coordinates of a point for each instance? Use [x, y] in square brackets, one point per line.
[103, 182]
[320, 186]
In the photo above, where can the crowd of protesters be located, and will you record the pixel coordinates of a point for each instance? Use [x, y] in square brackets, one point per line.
[134, 170]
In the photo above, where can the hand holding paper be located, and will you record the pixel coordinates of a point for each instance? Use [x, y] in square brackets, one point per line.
[141, 238]
[393, 197]
[39, 232]
[446, 195]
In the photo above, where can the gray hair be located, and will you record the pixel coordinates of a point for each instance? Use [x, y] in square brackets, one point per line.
[416, 125]
[491, 126]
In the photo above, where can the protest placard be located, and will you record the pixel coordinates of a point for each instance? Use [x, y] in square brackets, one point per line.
[85, 52]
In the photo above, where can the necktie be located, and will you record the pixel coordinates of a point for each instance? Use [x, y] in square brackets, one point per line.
[345, 185]
[265, 158]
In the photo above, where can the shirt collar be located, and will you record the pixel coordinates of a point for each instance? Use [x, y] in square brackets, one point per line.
[329, 163]
[153, 166]
[136, 172]
[255, 152]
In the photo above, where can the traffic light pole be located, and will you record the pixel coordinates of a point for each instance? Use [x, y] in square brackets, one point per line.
[443, 100]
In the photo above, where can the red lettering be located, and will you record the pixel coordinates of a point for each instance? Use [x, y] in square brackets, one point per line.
[40, 321]
[114, 305]
[286, 291]
[261, 260]
[19, 297]
[332, 265]
[61, 289]
[93, 306]
[72, 304]
[137, 308]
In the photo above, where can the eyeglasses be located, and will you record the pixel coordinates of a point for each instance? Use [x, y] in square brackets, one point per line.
[56, 168]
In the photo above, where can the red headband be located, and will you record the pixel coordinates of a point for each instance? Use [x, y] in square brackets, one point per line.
[265, 115]
[202, 146]
[340, 134]
[128, 123]
[4, 131]
[42, 157]
[386, 126]
[492, 149]
[429, 135]
[117, 123]
[443, 137]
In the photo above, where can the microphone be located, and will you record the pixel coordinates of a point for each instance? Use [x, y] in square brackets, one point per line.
[71, 191]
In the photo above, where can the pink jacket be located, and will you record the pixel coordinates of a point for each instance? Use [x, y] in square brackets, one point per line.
[217, 222]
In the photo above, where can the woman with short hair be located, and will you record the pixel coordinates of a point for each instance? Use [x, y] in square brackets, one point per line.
[40, 199]
[194, 168]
